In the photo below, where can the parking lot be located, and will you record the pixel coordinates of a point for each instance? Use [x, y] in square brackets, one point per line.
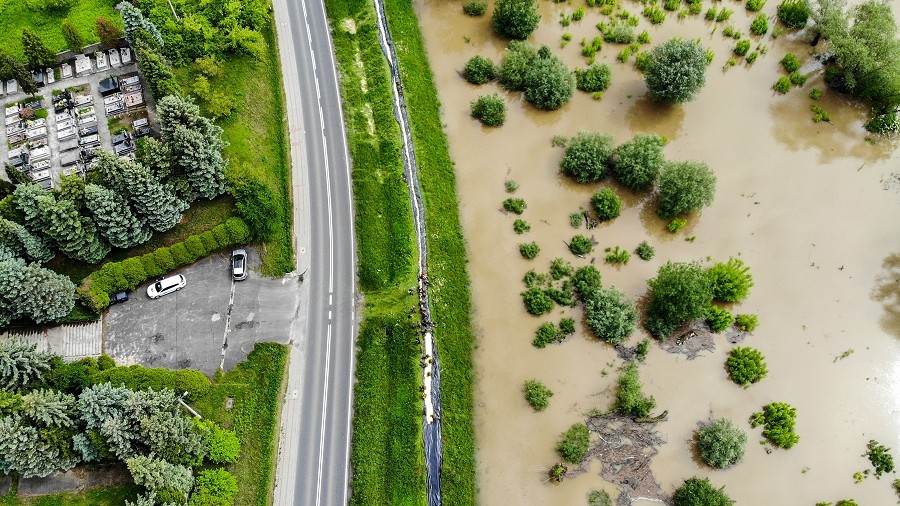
[189, 327]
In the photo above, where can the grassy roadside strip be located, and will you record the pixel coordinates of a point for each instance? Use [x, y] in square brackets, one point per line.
[115, 496]
[257, 387]
[387, 455]
[451, 302]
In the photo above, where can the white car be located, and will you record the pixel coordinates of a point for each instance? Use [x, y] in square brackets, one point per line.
[166, 286]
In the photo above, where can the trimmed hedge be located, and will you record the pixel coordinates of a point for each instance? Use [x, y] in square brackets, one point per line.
[115, 277]
[137, 377]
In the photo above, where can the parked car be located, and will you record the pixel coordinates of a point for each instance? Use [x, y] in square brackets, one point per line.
[166, 286]
[117, 298]
[239, 264]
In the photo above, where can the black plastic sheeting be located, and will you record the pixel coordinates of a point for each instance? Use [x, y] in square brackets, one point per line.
[431, 431]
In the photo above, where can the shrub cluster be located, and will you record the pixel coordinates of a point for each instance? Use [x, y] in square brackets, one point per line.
[606, 204]
[746, 365]
[136, 377]
[547, 82]
[731, 281]
[779, 420]
[489, 109]
[479, 70]
[718, 318]
[610, 314]
[644, 251]
[537, 394]
[115, 277]
[595, 77]
[700, 492]
[574, 443]
[630, 397]
[475, 8]
[793, 13]
[721, 443]
[580, 245]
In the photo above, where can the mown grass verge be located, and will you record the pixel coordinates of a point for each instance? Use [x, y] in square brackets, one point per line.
[451, 302]
[387, 456]
[257, 387]
[18, 15]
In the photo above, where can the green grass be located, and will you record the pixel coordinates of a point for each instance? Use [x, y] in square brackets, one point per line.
[97, 497]
[256, 133]
[15, 15]
[202, 216]
[447, 258]
[387, 455]
[257, 387]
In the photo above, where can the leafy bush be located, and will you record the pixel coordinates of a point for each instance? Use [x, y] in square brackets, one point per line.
[724, 14]
[606, 204]
[679, 292]
[511, 186]
[548, 82]
[746, 322]
[641, 350]
[790, 62]
[797, 79]
[180, 254]
[721, 443]
[742, 47]
[815, 94]
[619, 34]
[521, 226]
[644, 251]
[586, 280]
[559, 269]
[214, 487]
[610, 315]
[479, 70]
[595, 77]
[580, 245]
[537, 395]
[793, 13]
[700, 492]
[636, 163]
[711, 13]
[195, 247]
[598, 498]
[489, 109]
[760, 25]
[654, 14]
[574, 443]
[752, 57]
[545, 334]
[677, 70]
[718, 318]
[644, 37]
[587, 156]
[755, 5]
[685, 187]
[475, 8]
[222, 444]
[779, 419]
[746, 365]
[515, 19]
[576, 219]
[885, 124]
[730, 281]
[529, 250]
[537, 302]
[880, 458]
[256, 203]
[567, 326]
[630, 397]
[516, 206]
[617, 255]
[782, 85]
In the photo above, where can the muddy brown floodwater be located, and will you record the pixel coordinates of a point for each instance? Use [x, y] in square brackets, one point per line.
[803, 204]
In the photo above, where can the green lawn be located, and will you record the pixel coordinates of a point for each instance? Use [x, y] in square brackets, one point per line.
[99, 497]
[15, 15]
[256, 385]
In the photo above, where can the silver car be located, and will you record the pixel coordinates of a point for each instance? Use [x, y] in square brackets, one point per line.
[166, 286]
[239, 264]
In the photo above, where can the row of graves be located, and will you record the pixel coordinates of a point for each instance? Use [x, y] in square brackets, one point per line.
[76, 119]
[82, 65]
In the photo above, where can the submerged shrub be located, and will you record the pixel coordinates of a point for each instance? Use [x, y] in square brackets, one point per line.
[574, 443]
[782, 85]
[630, 397]
[742, 47]
[475, 8]
[529, 250]
[721, 443]
[580, 245]
[685, 187]
[746, 322]
[644, 251]
[746, 365]
[790, 62]
[537, 394]
[793, 13]
[677, 70]
[636, 163]
[606, 204]
[537, 302]
[595, 77]
[731, 281]
[489, 109]
[515, 19]
[700, 492]
[718, 318]
[479, 70]
[779, 420]
[548, 82]
[587, 156]
[755, 5]
[760, 25]
[515, 63]
[516, 206]
[610, 314]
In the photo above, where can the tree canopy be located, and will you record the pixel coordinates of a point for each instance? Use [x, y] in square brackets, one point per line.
[679, 292]
[677, 70]
[636, 163]
[700, 492]
[721, 443]
[586, 158]
[610, 315]
[685, 187]
[515, 19]
[549, 83]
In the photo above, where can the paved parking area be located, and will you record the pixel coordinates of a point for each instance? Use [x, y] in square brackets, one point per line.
[210, 320]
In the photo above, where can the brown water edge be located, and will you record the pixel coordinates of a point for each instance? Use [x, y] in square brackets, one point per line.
[801, 203]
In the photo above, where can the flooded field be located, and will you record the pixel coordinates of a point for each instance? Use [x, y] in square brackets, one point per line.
[809, 207]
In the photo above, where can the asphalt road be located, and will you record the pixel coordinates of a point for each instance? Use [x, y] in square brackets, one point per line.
[315, 434]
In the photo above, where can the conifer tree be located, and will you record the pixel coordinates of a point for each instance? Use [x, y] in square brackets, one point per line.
[133, 19]
[195, 143]
[23, 243]
[115, 219]
[25, 450]
[49, 408]
[47, 296]
[154, 474]
[37, 53]
[21, 363]
[151, 199]
[75, 234]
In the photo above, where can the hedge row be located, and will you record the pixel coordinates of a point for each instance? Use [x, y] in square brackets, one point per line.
[115, 277]
[137, 377]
